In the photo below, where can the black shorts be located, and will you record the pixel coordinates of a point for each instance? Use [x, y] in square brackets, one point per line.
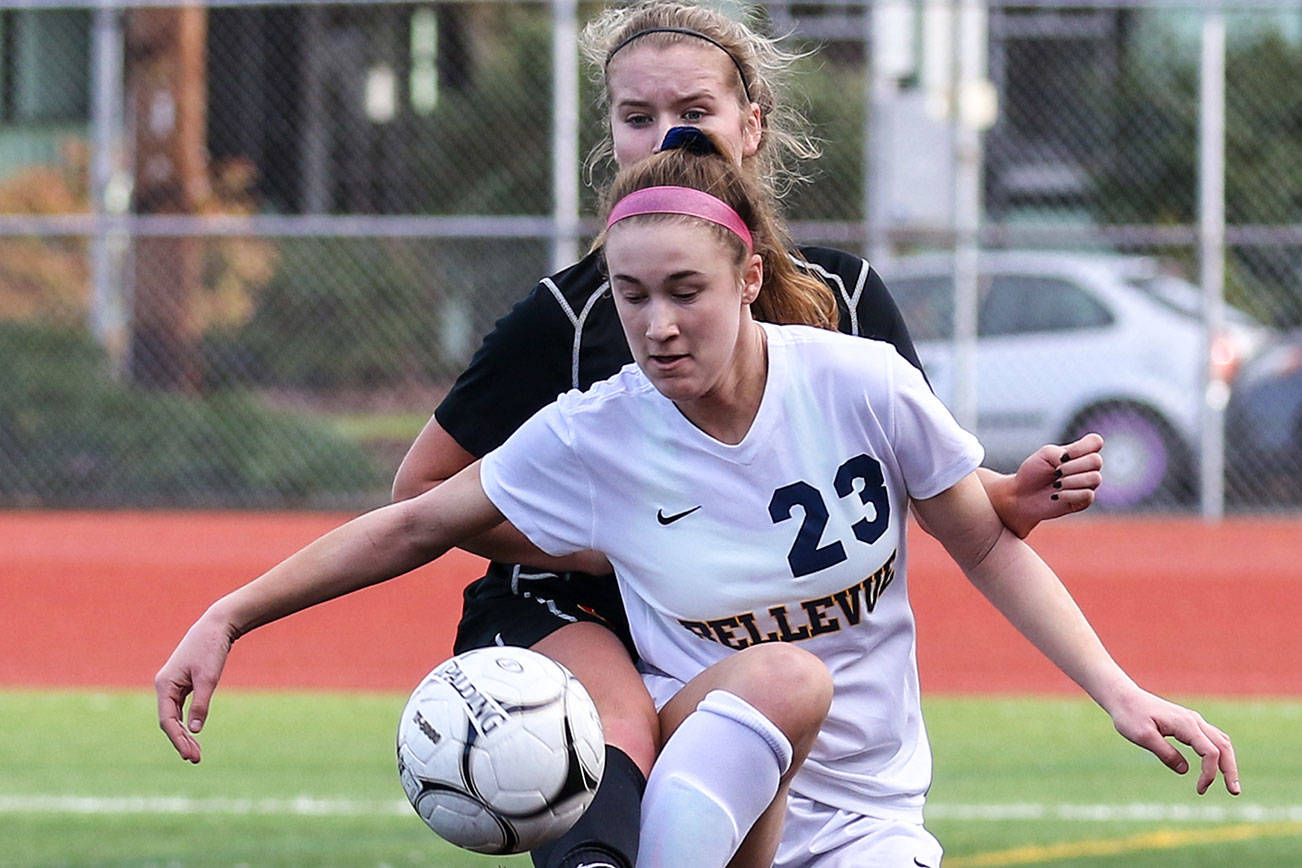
[519, 606]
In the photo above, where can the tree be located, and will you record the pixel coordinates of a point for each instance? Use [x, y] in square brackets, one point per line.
[1151, 174]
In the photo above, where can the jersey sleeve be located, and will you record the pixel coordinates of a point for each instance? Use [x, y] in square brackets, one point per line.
[537, 480]
[521, 366]
[934, 452]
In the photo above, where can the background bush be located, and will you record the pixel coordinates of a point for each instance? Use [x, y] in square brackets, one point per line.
[71, 436]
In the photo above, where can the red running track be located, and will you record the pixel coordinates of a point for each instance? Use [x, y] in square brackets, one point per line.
[100, 599]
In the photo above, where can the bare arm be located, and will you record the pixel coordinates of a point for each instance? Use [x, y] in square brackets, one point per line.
[1028, 593]
[369, 549]
[434, 457]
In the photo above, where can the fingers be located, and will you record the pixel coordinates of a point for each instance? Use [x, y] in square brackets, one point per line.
[1082, 461]
[171, 698]
[1211, 744]
[1200, 740]
[1090, 444]
[1230, 770]
[1077, 490]
[1227, 763]
[1078, 474]
[1073, 499]
[186, 745]
[199, 705]
[1164, 750]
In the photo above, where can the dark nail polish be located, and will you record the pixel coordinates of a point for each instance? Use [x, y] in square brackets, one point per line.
[1057, 474]
[1057, 485]
[1065, 457]
[1053, 497]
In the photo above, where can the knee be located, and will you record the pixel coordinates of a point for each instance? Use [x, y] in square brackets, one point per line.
[791, 686]
[633, 727]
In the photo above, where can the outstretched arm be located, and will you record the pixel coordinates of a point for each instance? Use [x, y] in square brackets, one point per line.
[1053, 481]
[1030, 596]
[369, 549]
[433, 458]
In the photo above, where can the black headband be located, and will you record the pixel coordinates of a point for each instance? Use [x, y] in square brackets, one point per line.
[745, 85]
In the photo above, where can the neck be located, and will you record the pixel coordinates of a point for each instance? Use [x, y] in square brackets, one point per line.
[727, 411]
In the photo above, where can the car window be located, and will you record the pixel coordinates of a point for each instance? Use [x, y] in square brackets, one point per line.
[1171, 293]
[1184, 298]
[1020, 303]
[927, 305]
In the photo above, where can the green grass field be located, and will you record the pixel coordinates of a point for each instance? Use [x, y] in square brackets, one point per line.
[86, 778]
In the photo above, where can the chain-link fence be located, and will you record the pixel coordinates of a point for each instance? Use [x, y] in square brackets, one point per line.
[244, 248]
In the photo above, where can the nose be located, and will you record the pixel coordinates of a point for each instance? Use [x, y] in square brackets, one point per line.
[661, 128]
[661, 325]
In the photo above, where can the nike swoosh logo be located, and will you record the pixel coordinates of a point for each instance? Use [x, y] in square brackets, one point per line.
[922, 864]
[670, 519]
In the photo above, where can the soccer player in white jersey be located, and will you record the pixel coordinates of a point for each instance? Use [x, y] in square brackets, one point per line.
[748, 483]
[660, 64]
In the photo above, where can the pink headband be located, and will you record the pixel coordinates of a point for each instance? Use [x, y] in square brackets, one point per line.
[687, 201]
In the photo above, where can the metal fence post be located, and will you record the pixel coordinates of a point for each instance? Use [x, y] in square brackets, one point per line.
[565, 133]
[1211, 256]
[881, 90]
[968, 71]
[108, 187]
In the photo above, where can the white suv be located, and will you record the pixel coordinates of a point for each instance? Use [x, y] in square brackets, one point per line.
[1070, 343]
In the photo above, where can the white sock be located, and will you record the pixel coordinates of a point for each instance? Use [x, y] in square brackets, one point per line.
[715, 777]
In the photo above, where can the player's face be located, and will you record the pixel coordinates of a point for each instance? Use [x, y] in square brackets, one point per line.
[684, 306]
[654, 88]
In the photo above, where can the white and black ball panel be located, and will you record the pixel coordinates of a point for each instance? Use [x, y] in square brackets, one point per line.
[500, 750]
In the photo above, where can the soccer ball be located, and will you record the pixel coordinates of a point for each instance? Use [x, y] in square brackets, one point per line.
[500, 750]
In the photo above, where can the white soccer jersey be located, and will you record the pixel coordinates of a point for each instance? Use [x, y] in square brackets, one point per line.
[795, 534]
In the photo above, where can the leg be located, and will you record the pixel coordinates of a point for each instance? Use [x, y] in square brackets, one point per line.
[737, 736]
[607, 833]
[601, 663]
[580, 624]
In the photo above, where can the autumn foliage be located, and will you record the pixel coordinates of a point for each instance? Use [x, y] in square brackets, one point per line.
[46, 275]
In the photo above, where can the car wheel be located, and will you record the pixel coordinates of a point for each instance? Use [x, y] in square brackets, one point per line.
[1144, 462]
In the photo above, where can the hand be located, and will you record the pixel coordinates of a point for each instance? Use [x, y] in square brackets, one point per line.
[1149, 721]
[194, 668]
[1053, 481]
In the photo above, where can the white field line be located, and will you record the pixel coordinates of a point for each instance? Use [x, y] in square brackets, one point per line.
[307, 806]
[310, 806]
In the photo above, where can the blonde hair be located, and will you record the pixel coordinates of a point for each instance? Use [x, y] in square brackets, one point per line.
[787, 295]
[763, 65]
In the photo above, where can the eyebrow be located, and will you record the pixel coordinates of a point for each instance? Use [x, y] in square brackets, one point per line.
[674, 277]
[694, 96]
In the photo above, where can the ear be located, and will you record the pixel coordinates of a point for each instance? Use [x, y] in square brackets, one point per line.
[752, 132]
[752, 278]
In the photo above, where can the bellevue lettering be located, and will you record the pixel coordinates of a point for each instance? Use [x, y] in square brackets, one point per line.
[810, 617]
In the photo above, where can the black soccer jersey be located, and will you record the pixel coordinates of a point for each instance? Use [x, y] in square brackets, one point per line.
[566, 335]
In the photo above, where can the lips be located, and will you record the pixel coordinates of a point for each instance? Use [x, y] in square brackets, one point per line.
[666, 362]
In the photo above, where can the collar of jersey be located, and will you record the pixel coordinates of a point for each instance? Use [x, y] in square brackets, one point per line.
[761, 429]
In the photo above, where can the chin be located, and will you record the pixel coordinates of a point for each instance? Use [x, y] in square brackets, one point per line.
[675, 388]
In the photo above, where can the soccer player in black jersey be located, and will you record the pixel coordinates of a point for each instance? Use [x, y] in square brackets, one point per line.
[665, 64]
